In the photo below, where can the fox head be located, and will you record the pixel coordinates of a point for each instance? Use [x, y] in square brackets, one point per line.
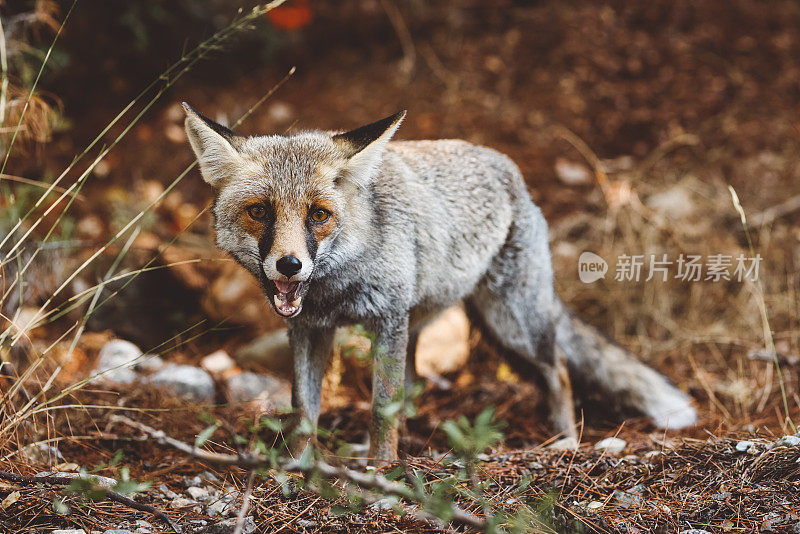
[281, 202]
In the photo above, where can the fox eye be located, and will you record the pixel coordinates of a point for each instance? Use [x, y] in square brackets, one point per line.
[257, 211]
[320, 215]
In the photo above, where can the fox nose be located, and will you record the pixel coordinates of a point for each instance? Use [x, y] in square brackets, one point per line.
[288, 266]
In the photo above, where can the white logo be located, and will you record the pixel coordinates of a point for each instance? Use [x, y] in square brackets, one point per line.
[591, 267]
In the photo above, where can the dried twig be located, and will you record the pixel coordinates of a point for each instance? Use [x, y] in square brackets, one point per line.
[245, 503]
[371, 481]
[110, 495]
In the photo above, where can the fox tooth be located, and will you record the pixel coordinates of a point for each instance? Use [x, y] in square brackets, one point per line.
[276, 300]
[296, 302]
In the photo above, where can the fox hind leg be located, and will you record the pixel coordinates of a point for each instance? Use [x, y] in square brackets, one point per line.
[514, 303]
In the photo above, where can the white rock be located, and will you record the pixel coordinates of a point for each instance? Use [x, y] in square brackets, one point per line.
[247, 387]
[387, 503]
[743, 446]
[186, 381]
[182, 502]
[168, 493]
[116, 359]
[564, 444]
[271, 350]
[594, 505]
[228, 526]
[629, 497]
[68, 531]
[611, 445]
[788, 441]
[217, 362]
[218, 507]
[198, 493]
[150, 363]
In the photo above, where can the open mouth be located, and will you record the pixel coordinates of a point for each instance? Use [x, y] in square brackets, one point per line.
[287, 299]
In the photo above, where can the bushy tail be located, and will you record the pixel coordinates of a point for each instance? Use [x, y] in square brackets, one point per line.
[597, 365]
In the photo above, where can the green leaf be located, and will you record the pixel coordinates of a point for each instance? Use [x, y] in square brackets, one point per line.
[59, 507]
[117, 458]
[271, 423]
[128, 487]
[395, 473]
[337, 510]
[203, 436]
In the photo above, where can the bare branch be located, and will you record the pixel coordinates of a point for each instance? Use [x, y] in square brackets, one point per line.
[372, 481]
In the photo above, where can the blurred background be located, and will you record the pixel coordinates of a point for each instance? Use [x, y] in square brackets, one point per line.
[629, 120]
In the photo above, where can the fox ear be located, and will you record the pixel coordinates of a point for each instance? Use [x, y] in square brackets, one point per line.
[214, 146]
[363, 147]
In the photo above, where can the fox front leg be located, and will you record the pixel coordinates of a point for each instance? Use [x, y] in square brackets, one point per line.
[311, 349]
[388, 392]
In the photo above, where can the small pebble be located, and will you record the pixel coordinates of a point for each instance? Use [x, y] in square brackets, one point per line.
[383, 504]
[631, 497]
[186, 381]
[227, 527]
[168, 493]
[217, 362]
[218, 507]
[116, 358]
[150, 363]
[198, 494]
[611, 445]
[564, 444]
[788, 441]
[182, 502]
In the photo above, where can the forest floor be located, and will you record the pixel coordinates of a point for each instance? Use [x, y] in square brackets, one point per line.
[628, 120]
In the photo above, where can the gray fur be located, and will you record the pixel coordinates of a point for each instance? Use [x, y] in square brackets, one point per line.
[416, 227]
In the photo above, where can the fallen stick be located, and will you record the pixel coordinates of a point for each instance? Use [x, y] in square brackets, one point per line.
[253, 460]
[110, 495]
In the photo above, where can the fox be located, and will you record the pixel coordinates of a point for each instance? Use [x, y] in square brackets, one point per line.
[349, 227]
